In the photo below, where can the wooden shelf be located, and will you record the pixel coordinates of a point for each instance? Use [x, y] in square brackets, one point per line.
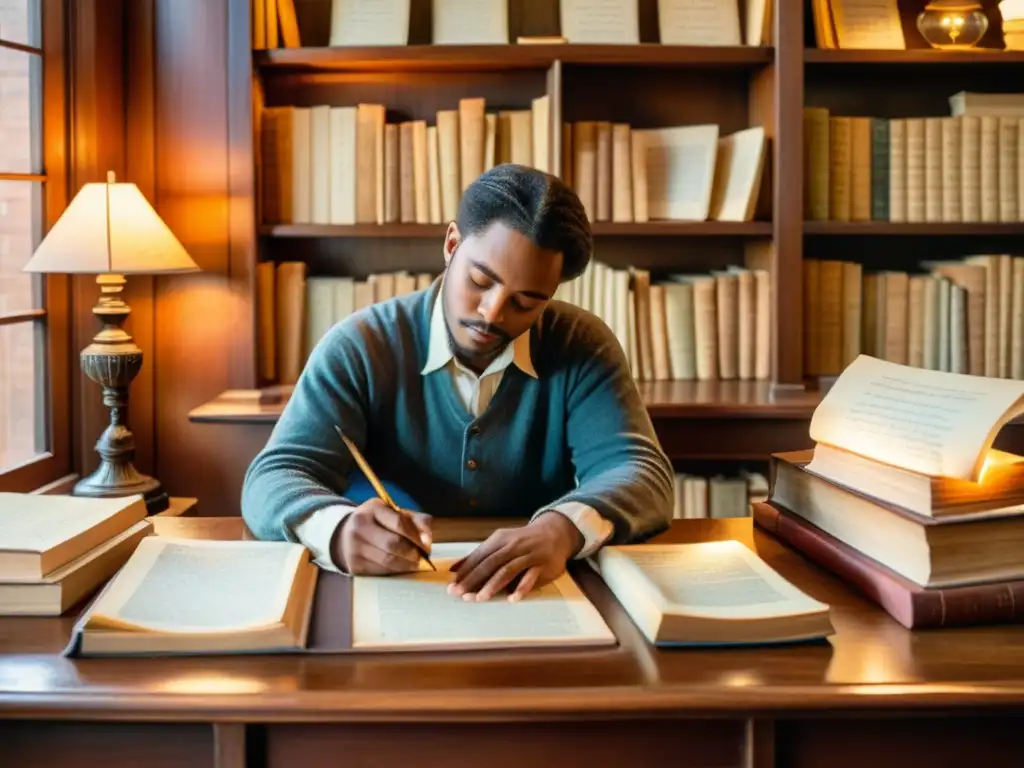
[664, 400]
[600, 228]
[887, 228]
[475, 58]
[987, 56]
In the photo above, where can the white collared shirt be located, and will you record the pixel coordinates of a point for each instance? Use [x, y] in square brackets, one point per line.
[475, 392]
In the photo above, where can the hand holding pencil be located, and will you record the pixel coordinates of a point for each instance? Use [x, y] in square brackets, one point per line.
[378, 537]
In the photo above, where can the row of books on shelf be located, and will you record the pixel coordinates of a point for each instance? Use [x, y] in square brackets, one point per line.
[717, 496]
[966, 167]
[903, 496]
[486, 22]
[677, 173]
[347, 165]
[686, 327]
[961, 316]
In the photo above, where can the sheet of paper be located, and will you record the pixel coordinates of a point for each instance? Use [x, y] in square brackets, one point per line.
[718, 578]
[699, 22]
[600, 21]
[198, 586]
[933, 422]
[369, 22]
[474, 22]
[415, 612]
[868, 24]
[680, 165]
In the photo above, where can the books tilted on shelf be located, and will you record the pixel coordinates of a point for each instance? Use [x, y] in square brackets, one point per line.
[56, 550]
[180, 597]
[714, 593]
[903, 472]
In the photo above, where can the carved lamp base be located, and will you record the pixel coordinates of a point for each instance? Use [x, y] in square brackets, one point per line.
[112, 361]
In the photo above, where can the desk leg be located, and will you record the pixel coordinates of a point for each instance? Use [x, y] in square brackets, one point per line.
[229, 745]
[759, 750]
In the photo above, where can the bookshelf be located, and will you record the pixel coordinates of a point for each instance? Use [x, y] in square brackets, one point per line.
[647, 85]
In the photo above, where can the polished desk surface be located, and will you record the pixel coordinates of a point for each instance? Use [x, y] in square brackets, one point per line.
[871, 663]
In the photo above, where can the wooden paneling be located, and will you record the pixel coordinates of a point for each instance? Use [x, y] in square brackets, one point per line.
[140, 167]
[56, 744]
[896, 742]
[97, 146]
[787, 159]
[194, 329]
[679, 743]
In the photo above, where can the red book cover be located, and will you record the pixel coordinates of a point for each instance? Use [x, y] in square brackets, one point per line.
[912, 605]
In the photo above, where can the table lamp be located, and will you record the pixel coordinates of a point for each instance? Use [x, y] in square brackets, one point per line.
[110, 230]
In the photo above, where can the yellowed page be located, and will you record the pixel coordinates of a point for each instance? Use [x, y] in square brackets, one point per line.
[191, 586]
[719, 579]
[415, 612]
[932, 422]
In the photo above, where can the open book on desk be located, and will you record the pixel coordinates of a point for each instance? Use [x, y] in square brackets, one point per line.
[709, 593]
[199, 597]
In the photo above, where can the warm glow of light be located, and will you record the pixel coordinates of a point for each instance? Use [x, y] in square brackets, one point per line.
[741, 678]
[1012, 10]
[212, 682]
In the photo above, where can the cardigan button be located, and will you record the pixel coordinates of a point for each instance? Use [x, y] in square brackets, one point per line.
[474, 430]
[471, 464]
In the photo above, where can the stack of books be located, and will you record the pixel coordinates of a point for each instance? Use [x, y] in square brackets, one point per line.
[56, 551]
[904, 497]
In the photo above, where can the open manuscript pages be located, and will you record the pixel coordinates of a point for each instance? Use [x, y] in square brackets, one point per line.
[198, 596]
[415, 613]
[709, 593]
[930, 422]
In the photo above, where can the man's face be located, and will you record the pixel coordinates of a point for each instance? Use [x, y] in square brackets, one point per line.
[497, 284]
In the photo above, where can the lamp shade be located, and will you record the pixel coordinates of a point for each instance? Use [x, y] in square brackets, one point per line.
[110, 228]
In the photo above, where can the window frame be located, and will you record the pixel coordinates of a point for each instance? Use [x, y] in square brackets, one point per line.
[55, 319]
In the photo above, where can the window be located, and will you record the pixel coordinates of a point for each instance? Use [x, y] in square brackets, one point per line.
[34, 402]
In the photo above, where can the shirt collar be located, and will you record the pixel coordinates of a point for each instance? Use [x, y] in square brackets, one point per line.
[439, 351]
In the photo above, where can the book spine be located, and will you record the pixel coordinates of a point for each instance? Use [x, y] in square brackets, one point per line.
[911, 606]
[879, 169]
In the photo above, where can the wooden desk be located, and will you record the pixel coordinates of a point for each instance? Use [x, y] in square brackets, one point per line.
[875, 695]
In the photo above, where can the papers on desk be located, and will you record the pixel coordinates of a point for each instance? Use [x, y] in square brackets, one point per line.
[187, 596]
[416, 612]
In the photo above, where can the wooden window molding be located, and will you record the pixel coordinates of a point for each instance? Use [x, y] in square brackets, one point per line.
[54, 318]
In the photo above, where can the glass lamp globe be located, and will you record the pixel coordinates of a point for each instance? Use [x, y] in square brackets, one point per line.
[952, 24]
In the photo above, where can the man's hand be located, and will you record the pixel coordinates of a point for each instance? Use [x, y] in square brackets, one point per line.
[373, 539]
[538, 552]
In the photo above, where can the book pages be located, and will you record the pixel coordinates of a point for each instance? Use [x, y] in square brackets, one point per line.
[738, 169]
[699, 22]
[868, 24]
[369, 22]
[470, 22]
[600, 21]
[722, 579]
[679, 166]
[37, 523]
[415, 612]
[198, 587]
[933, 422]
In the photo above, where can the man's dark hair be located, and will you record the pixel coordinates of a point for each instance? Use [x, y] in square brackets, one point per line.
[536, 204]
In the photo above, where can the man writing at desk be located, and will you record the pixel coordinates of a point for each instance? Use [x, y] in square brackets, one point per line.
[480, 397]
